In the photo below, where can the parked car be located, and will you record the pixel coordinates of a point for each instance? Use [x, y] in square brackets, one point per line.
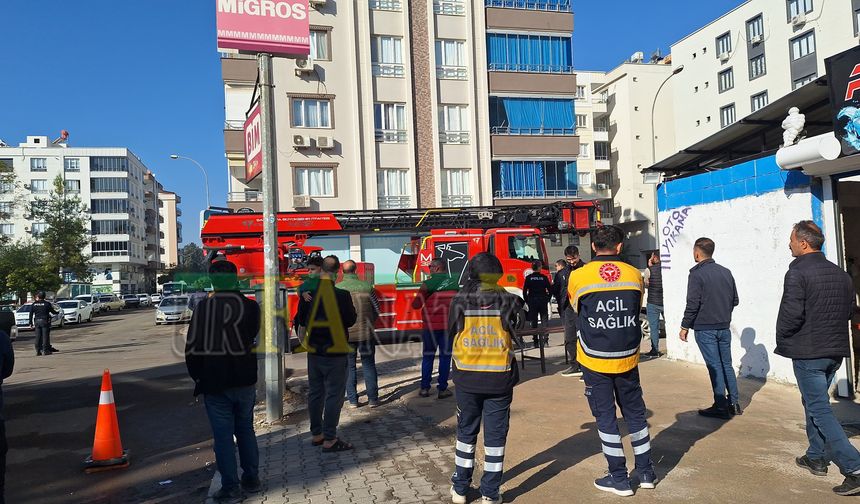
[7, 323]
[131, 300]
[173, 309]
[76, 311]
[91, 299]
[144, 299]
[110, 302]
[22, 316]
[156, 298]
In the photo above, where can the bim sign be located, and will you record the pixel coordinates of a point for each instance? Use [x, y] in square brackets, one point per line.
[264, 26]
[843, 74]
[253, 144]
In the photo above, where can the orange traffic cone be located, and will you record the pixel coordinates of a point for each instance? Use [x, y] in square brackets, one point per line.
[107, 447]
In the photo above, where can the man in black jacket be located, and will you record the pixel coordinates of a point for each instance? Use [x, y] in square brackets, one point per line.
[327, 316]
[812, 331]
[41, 313]
[536, 293]
[565, 311]
[219, 354]
[711, 298]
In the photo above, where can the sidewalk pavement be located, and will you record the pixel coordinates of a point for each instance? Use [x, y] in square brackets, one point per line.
[404, 449]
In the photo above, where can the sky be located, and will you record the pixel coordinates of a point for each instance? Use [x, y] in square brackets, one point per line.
[146, 75]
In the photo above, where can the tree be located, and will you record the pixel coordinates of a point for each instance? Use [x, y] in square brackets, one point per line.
[67, 232]
[22, 269]
[8, 184]
[192, 259]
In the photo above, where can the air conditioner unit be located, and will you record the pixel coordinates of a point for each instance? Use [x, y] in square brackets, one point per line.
[724, 56]
[325, 142]
[301, 141]
[798, 20]
[303, 201]
[756, 39]
[304, 65]
[316, 4]
[602, 187]
[27, 229]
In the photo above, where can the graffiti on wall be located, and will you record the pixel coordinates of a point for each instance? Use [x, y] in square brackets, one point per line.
[670, 233]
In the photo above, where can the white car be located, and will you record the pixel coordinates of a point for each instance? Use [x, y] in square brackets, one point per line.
[144, 299]
[173, 309]
[92, 300]
[76, 311]
[22, 316]
[156, 298]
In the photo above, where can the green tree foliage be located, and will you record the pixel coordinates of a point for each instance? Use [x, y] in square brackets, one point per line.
[67, 232]
[22, 269]
[8, 184]
[192, 259]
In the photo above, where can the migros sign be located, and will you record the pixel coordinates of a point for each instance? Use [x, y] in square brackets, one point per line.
[279, 27]
[271, 8]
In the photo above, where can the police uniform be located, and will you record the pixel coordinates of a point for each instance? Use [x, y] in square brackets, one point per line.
[536, 292]
[485, 372]
[607, 295]
[41, 313]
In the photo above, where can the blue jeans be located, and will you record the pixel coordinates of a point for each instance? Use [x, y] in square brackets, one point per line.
[496, 413]
[367, 350]
[326, 384]
[654, 311]
[231, 413]
[827, 439]
[716, 347]
[434, 340]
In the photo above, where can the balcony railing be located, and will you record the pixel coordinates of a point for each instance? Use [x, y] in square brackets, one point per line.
[234, 124]
[601, 129]
[536, 194]
[530, 68]
[454, 137]
[388, 70]
[390, 136]
[232, 55]
[449, 7]
[506, 130]
[545, 5]
[601, 157]
[456, 200]
[452, 72]
[393, 202]
[245, 196]
[387, 5]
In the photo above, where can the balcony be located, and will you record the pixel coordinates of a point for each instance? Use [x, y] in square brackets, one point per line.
[238, 70]
[234, 124]
[456, 200]
[234, 141]
[514, 81]
[447, 72]
[601, 134]
[151, 246]
[544, 5]
[535, 194]
[386, 5]
[245, 196]
[534, 15]
[449, 7]
[394, 202]
[394, 70]
[454, 137]
[601, 163]
[545, 144]
[391, 136]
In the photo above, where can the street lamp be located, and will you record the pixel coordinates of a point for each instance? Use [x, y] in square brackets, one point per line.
[202, 170]
[654, 150]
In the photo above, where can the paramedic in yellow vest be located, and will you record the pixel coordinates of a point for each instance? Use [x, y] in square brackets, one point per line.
[483, 319]
[607, 296]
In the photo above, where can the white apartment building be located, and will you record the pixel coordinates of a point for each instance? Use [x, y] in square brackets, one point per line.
[117, 188]
[170, 229]
[753, 55]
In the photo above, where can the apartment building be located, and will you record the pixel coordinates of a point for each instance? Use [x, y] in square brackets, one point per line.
[422, 103]
[119, 191]
[170, 228]
[753, 55]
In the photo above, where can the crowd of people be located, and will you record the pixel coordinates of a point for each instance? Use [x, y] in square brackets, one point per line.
[472, 329]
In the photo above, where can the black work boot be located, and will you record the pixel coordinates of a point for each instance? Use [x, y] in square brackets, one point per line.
[716, 412]
[816, 467]
[851, 485]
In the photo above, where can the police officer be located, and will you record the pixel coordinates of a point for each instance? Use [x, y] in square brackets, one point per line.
[41, 313]
[607, 295]
[536, 293]
[483, 319]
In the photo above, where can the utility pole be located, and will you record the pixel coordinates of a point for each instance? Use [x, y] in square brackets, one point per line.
[272, 338]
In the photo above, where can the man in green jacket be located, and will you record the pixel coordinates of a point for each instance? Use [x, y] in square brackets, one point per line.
[361, 336]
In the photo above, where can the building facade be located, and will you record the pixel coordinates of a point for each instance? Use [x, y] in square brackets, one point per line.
[118, 189]
[170, 228]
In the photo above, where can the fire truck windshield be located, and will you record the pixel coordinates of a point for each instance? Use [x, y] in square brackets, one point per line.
[526, 248]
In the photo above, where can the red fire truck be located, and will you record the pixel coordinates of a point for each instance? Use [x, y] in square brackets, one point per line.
[514, 234]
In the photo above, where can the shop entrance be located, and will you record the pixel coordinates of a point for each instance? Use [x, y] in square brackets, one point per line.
[848, 191]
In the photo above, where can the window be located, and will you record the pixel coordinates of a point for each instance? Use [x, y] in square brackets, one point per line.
[5, 208]
[804, 80]
[320, 45]
[583, 150]
[72, 186]
[6, 186]
[110, 184]
[601, 150]
[113, 226]
[727, 115]
[311, 113]
[581, 121]
[102, 206]
[602, 124]
[392, 188]
[456, 188]
[726, 79]
[451, 59]
[454, 124]
[580, 92]
[389, 5]
[757, 67]
[72, 164]
[758, 101]
[110, 248]
[315, 182]
[534, 179]
[387, 56]
[547, 5]
[39, 185]
[724, 44]
[531, 116]
[449, 7]
[7, 229]
[798, 7]
[38, 164]
[526, 248]
[523, 52]
[390, 122]
[108, 164]
[755, 29]
[38, 228]
[585, 179]
[803, 45]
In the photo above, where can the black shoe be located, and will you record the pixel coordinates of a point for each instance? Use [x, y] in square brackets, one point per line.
[53, 350]
[228, 496]
[816, 467]
[445, 394]
[47, 352]
[38, 354]
[851, 485]
[735, 409]
[716, 412]
[572, 371]
[653, 353]
[251, 485]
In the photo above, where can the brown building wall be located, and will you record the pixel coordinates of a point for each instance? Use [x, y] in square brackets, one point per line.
[422, 96]
[234, 141]
[517, 19]
[238, 70]
[532, 83]
[522, 145]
